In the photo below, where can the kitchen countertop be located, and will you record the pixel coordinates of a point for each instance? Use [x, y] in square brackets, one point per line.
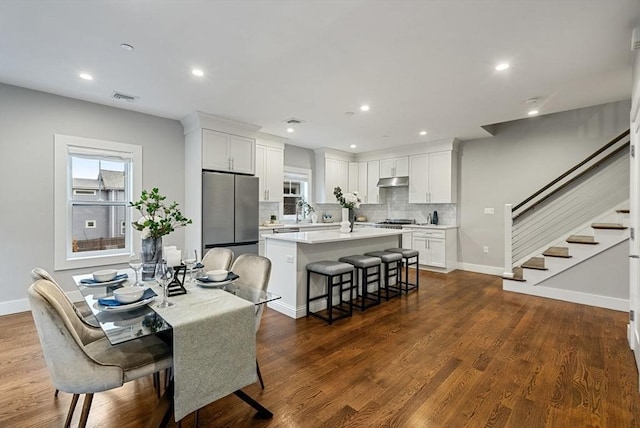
[321, 236]
[300, 225]
[429, 226]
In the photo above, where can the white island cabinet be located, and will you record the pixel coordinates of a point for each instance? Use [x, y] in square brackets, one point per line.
[436, 245]
[291, 252]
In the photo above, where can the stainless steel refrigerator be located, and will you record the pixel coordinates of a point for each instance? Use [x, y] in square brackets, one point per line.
[230, 212]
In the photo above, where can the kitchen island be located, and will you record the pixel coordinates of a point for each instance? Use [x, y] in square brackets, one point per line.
[291, 252]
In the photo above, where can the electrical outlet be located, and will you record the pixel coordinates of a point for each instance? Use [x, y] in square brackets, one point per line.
[485, 249]
[489, 211]
[289, 259]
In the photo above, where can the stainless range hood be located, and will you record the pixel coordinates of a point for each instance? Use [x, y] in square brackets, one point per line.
[393, 182]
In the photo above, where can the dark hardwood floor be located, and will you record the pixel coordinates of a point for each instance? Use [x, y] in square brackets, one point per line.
[459, 353]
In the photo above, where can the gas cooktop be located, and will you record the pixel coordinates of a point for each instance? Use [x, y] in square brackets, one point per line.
[397, 221]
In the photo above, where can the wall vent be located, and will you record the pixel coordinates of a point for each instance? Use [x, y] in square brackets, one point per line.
[124, 97]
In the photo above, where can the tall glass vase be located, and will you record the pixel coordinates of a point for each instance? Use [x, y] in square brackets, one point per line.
[345, 224]
[151, 255]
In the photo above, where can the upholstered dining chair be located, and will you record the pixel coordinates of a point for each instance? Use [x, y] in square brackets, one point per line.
[217, 258]
[254, 272]
[80, 367]
[83, 312]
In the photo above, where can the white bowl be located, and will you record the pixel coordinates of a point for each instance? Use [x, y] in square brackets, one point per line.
[217, 275]
[105, 275]
[128, 294]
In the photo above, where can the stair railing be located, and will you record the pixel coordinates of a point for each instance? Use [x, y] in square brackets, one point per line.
[582, 190]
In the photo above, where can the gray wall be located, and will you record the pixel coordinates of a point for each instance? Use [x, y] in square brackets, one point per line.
[520, 158]
[28, 121]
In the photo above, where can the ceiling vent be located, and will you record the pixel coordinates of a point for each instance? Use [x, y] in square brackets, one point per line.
[124, 97]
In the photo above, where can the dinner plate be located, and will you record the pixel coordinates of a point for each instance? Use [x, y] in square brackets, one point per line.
[126, 307]
[102, 284]
[217, 284]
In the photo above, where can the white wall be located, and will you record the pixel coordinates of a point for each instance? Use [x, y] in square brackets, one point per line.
[520, 158]
[28, 121]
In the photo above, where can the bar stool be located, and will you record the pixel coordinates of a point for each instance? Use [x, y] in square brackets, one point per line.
[368, 268]
[409, 258]
[332, 270]
[391, 263]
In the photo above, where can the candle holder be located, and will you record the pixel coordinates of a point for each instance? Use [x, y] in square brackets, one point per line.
[176, 286]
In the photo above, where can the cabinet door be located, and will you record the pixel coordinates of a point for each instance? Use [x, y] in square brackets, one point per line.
[362, 187]
[215, 150]
[242, 154]
[261, 172]
[440, 178]
[401, 166]
[343, 175]
[274, 166]
[437, 253]
[373, 175]
[386, 168]
[420, 244]
[354, 173]
[330, 179]
[419, 179]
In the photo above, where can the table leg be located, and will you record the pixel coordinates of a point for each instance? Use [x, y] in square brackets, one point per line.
[263, 412]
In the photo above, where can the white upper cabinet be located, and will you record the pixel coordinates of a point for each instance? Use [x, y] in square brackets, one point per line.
[373, 176]
[336, 175]
[227, 152]
[358, 179]
[394, 167]
[270, 171]
[433, 178]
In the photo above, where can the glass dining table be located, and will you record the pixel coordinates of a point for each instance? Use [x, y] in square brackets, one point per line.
[129, 322]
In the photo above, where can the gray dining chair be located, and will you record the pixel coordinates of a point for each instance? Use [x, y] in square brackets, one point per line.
[83, 312]
[254, 272]
[80, 367]
[217, 258]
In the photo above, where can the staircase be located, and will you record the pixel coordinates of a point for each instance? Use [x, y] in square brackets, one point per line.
[562, 241]
[581, 247]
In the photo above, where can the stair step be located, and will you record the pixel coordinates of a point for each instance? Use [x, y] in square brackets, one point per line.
[623, 211]
[557, 252]
[581, 239]
[517, 275]
[616, 226]
[534, 263]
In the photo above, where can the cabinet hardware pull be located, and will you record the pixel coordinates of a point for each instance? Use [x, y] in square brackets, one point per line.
[634, 256]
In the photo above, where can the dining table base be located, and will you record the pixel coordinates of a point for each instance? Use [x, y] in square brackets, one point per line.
[164, 409]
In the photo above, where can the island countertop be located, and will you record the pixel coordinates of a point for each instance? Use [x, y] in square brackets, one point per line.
[324, 236]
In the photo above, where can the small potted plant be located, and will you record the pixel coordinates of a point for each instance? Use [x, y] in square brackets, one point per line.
[307, 209]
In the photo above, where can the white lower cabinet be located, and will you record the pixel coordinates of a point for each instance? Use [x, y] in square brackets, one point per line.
[437, 248]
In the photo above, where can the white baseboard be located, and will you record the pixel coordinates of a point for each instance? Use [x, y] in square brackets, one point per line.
[22, 305]
[567, 295]
[14, 306]
[287, 310]
[489, 270]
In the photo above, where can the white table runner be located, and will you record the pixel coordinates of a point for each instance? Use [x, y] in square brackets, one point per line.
[214, 347]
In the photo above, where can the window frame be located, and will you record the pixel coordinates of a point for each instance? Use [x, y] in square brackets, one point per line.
[304, 173]
[64, 258]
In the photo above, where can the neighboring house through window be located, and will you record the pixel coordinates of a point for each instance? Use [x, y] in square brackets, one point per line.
[94, 182]
[296, 186]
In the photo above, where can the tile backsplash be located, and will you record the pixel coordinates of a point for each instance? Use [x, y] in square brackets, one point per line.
[395, 205]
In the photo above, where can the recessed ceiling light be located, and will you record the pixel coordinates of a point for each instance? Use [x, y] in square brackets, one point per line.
[353, 146]
[501, 67]
[423, 132]
[86, 76]
[197, 72]
[126, 47]
[364, 108]
[289, 130]
[532, 112]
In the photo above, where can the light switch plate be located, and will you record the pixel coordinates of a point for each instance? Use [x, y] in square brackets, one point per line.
[489, 211]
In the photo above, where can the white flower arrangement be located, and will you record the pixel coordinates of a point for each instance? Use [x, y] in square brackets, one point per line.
[347, 200]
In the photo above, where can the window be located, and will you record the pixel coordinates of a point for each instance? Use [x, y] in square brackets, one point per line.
[296, 186]
[94, 182]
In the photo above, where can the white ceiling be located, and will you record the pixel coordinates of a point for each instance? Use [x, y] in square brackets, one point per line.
[418, 64]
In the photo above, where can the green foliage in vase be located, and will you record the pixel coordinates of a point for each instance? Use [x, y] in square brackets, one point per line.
[158, 218]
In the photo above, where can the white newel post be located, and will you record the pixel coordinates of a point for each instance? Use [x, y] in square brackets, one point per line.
[508, 227]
